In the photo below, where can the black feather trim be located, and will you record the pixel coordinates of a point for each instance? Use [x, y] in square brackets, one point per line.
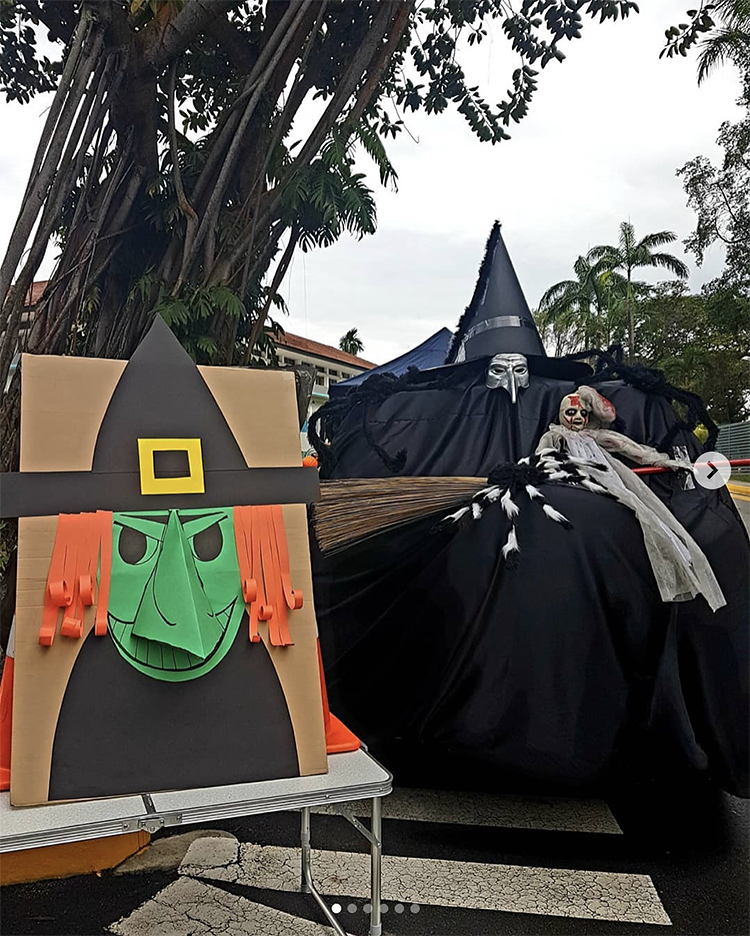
[484, 272]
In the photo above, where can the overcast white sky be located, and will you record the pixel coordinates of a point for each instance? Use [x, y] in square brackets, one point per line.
[605, 133]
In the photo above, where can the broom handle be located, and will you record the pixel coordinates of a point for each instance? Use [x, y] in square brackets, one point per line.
[654, 469]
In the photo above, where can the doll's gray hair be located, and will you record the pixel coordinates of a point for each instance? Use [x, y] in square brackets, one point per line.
[601, 412]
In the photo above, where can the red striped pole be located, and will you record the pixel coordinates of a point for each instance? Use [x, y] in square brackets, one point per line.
[657, 469]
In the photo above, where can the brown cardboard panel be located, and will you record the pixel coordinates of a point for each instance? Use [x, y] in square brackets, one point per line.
[62, 405]
[59, 428]
[273, 440]
[41, 679]
[261, 411]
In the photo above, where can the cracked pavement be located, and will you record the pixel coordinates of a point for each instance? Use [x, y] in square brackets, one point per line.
[597, 895]
[455, 863]
[189, 907]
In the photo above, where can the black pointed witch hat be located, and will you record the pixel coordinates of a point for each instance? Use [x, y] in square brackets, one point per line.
[163, 443]
[498, 319]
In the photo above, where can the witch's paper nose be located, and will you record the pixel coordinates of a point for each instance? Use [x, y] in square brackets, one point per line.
[175, 610]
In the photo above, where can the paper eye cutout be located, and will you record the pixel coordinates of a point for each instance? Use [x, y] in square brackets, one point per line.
[208, 543]
[135, 547]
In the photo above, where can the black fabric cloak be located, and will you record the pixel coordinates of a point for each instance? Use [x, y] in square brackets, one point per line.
[568, 669]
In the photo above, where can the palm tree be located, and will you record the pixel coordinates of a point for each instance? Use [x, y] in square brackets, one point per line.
[576, 305]
[556, 334]
[631, 254]
[730, 40]
[351, 342]
[583, 308]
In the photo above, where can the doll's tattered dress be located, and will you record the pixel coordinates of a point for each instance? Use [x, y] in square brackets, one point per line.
[679, 564]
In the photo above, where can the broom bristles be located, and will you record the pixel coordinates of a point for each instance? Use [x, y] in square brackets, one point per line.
[356, 509]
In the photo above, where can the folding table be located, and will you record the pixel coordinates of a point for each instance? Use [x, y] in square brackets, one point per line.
[351, 776]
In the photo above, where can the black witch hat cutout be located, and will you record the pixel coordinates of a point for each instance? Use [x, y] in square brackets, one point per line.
[163, 443]
[498, 319]
[161, 395]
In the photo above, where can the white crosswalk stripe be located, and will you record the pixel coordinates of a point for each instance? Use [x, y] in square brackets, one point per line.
[593, 895]
[547, 813]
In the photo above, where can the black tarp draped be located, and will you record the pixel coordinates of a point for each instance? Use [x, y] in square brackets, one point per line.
[568, 669]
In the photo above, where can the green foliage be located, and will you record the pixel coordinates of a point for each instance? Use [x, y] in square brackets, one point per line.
[721, 28]
[191, 315]
[699, 342]
[583, 313]
[683, 37]
[630, 254]
[375, 149]
[329, 197]
[597, 307]
[536, 32]
[351, 342]
[194, 242]
[720, 195]
[24, 73]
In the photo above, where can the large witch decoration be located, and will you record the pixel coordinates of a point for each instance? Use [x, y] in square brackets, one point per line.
[612, 641]
[162, 638]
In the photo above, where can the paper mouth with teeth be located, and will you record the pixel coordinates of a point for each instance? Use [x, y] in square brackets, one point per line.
[175, 601]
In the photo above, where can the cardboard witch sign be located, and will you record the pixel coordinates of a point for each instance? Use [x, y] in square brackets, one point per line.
[165, 630]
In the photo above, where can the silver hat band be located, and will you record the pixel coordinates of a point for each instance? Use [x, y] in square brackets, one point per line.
[499, 321]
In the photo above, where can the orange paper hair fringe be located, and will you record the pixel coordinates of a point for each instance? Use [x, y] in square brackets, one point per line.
[263, 557]
[80, 540]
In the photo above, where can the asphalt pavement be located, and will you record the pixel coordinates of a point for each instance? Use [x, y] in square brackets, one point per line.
[741, 495]
[653, 861]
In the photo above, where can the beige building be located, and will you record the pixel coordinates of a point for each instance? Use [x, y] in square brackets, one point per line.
[331, 365]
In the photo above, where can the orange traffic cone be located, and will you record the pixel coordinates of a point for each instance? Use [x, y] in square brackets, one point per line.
[6, 709]
[338, 737]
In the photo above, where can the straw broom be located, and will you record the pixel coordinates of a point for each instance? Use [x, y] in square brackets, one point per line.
[354, 510]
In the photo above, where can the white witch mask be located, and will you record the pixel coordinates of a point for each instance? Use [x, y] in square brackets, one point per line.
[574, 413]
[509, 371]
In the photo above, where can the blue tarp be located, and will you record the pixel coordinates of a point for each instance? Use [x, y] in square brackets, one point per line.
[431, 353]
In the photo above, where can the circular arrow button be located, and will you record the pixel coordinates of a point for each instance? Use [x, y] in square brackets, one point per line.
[712, 470]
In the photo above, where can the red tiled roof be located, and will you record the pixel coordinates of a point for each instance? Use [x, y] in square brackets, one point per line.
[35, 292]
[288, 340]
[308, 346]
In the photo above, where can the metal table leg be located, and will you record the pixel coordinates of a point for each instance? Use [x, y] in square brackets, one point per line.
[374, 836]
[308, 886]
[376, 853]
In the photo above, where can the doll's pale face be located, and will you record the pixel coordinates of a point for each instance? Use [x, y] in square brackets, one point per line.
[573, 413]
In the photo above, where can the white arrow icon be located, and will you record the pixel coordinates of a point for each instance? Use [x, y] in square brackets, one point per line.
[712, 470]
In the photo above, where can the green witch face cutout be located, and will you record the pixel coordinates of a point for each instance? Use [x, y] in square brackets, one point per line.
[175, 601]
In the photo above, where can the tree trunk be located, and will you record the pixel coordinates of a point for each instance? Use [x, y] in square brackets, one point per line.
[631, 328]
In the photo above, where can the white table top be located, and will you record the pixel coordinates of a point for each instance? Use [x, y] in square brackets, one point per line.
[351, 776]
